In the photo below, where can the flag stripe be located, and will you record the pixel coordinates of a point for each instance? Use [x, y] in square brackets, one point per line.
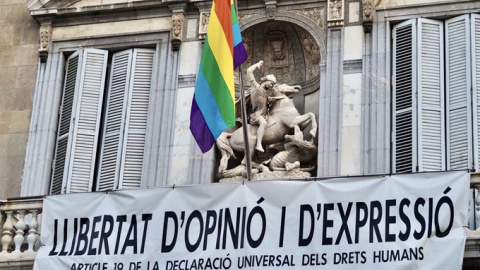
[216, 85]
[222, 13]
[239, 51]
[207, 104]
[222, 51]
[199, 129]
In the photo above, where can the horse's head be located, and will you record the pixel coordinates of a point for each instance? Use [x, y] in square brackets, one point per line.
[287, 89]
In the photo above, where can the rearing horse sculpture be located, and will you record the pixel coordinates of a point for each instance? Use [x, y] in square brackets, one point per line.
[282, 119]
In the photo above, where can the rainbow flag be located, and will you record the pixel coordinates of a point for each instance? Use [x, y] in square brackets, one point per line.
[213, 106]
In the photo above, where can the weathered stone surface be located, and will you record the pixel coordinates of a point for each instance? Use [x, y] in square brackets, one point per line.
[18, 69]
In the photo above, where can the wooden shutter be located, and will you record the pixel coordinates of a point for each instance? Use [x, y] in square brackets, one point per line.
[83, 114]
[136, 118]
[126, 119]
[430, 78]
[458, 84]
[404, 101]
[475, 73]
[65, 126]
[87, 120]
[114, 126]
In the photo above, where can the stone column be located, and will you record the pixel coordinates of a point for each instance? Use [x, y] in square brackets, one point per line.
[329, 138]
[36, 171]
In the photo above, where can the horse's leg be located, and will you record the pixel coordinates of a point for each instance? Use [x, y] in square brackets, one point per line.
[304, 120]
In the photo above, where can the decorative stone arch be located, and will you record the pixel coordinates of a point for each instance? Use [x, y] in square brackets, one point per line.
[312, 28]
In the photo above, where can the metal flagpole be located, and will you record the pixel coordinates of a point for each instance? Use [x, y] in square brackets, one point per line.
[244, 125]
[244, 117]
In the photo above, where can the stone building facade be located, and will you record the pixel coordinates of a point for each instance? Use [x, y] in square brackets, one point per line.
[18, 68]
[342, 53]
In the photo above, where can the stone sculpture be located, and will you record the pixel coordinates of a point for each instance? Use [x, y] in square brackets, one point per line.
[287, 153]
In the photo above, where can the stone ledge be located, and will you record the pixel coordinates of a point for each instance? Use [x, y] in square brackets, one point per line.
[26, 264]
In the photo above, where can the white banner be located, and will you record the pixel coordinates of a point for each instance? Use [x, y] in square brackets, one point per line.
[400, 222]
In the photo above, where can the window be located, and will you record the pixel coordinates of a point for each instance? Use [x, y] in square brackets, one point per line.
[102, 126]
[435, 94]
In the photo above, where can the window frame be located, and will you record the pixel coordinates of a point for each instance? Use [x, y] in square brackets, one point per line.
[48, 95]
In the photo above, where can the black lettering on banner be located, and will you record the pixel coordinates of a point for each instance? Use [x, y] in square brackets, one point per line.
[282, 227]
[219, 231]
[361, 206]
[192, 247]
[65, 237]
[120, 220]
[448, 201]
[93, 235]
[344, 228]
[430, 214]
[146, 218]
[244, 217]
[83, 236]
[404, 235]
[105, 233]
[301, 240]
[169, 247]
[131, 238]
[234, 231]
[375, 221]
[55, 238]
[327, 223]
[209, 226]
[75, 231]
[257, 210]
[419, 234]
[389, 219]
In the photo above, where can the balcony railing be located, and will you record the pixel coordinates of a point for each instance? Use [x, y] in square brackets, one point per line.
[19, 231]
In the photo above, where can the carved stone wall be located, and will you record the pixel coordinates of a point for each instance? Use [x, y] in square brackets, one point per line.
[289, 52]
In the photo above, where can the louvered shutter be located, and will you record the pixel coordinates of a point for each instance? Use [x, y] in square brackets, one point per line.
[114, 126]
[430, 78]
[458, 84]
[87, 120]
[84, 80]
[475, 72]
[65, 127]
[136, 118]
[404, 102]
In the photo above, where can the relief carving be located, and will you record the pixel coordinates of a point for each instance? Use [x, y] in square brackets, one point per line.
[242, 17]
[203, 26]
[312, 53]
[367, 10]
[367, 15]
[177, 30]
[335, 12]
[271, 11]
[315, 14]
[277, 53]
[45, 36]
[177, 25]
